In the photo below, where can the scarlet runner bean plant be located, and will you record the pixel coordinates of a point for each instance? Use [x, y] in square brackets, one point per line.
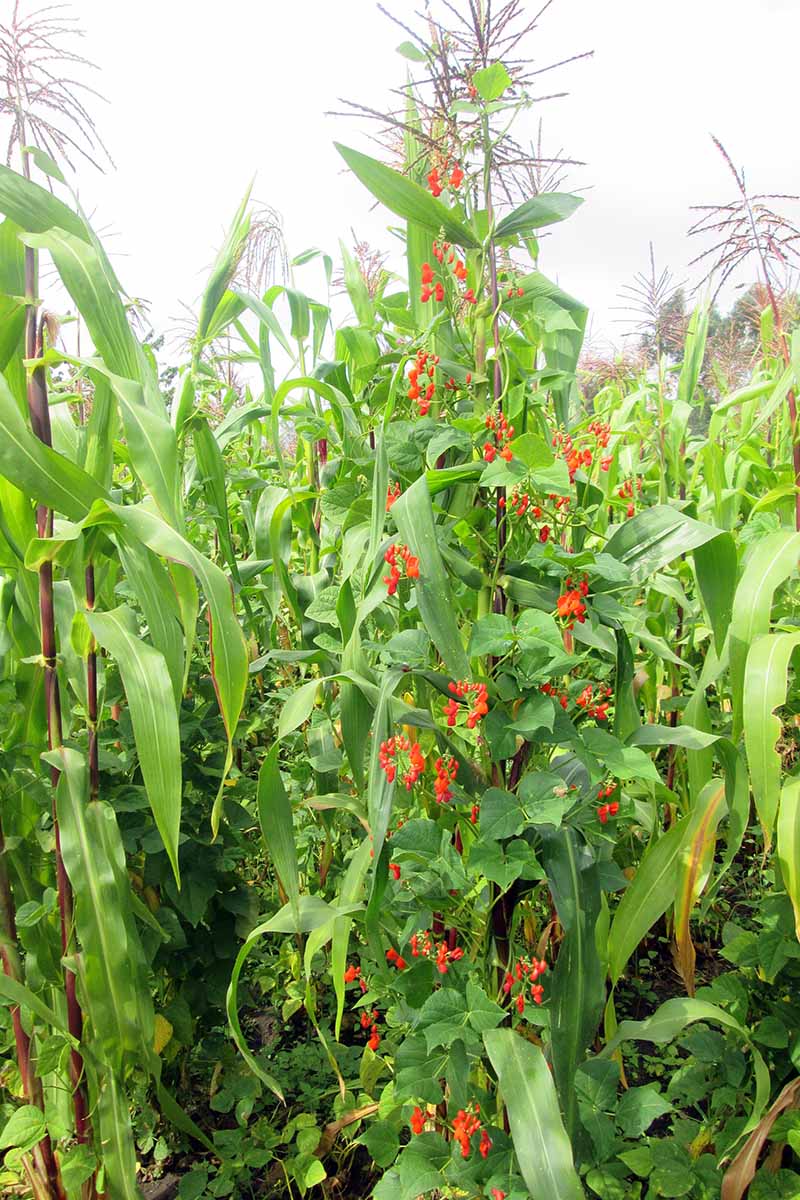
[490, 672]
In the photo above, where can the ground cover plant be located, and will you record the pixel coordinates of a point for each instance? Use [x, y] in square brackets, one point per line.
[398, 753]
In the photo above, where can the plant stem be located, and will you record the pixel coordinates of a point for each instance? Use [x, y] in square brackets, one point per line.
[40, 422]
[43, 1156]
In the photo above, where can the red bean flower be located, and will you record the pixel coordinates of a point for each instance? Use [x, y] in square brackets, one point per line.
[478, 702]
[417, 1122]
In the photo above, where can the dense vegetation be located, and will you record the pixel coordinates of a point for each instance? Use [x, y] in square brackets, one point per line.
[398, 752]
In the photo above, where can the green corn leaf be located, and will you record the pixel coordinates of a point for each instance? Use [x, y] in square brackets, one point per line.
[13, 992]
[152, 445]
[157, 599]
[117, 996]
[671, 1019]
[350, 893]
[545, 209]
[716, 563]
[84, 275]
[380, 792]
[772, 561]
[277, 827]
[34, 208]
[37, 469]
[788, 845]
[224, 268]
[577, 991]
[212, 469]
[541, 1143]
[154, 717]
[646, 898]
[229, 664]
[655, 537]
[765, 688]
[413, 513]
[116, 1137]
[313, 913]
[407, 199]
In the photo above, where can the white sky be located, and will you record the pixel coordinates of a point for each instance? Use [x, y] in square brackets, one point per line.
[204, 95]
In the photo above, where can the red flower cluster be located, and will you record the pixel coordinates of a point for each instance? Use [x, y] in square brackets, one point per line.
[417, 1122]
[497, 1194]
[411, 563]
[446, 771]
[606, 462]
[392, 493]
[440, 252]
[570, 602]
[526, 972]
[550, 690]
[479, 707]
[423, 390]
[452, 386]
[512, 291]
[607, 810]
[595, 707]
[519, 503]
[502, 433]
[388, 754]
[423, 946]
[601, 431]
[573, 457]
[352, 973]
[369, 1021]
[394, 870]
[395, 959]
[466, 1124]
[626, 493]
[454, 180]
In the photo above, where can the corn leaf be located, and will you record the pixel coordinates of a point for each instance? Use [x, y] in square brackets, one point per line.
[541, 1143]
[154, 717]
[407, 199]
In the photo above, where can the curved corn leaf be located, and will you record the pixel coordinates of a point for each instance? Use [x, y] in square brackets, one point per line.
[646, 898]
[38, 470]
[655, 537]
[765, 684]
[545, 209]
[277, 827]
[740, 1172]
[772, 561]
[577, 992]
[695, 860]
[541, 1144]
[156, 597]
[312, 913]
[350, 893]
[413, 513]
[84, 275]
[671, 1018]
[34, 208]
[154, 717]
[407, 199]
[229, 670]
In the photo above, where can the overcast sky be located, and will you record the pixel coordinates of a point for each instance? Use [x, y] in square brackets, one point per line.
[203, 95]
